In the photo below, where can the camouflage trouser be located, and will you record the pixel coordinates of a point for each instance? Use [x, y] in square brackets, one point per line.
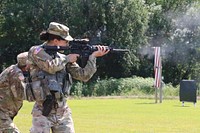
[6, 124]
[58, 121]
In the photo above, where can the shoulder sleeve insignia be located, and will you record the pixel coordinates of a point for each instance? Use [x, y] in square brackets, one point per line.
[21, 78]
[37, 50]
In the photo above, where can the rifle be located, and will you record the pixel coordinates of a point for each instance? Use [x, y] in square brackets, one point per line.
[81, 47]
[28, 92]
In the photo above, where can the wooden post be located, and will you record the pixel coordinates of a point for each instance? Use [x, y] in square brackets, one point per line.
[156, 95]
[161, 88]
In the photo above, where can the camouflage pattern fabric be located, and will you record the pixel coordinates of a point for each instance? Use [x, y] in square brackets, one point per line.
[59, 120]
[6, 124]
[59, 30]
[22, 58]
[11, 97]
[39, 61]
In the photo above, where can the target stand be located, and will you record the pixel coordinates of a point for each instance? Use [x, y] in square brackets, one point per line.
[188, 91]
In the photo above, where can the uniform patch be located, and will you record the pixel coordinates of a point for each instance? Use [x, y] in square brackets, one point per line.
[1, 97]
[37, 50]
[21, 77]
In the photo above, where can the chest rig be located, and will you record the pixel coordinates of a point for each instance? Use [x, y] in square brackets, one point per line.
[39, 83]
[58, 83]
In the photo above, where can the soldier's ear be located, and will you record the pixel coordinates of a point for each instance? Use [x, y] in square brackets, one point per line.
[55, 41]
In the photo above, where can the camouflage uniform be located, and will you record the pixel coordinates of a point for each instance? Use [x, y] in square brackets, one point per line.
[52, 74]
[11, 96]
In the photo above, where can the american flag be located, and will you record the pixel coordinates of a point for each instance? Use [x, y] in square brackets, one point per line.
[157, 67]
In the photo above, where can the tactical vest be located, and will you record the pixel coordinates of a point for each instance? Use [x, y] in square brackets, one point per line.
[39, 84]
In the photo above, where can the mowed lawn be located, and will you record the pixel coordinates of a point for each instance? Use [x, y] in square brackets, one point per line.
[125, 116]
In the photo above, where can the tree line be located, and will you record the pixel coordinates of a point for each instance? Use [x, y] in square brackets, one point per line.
[137, 25]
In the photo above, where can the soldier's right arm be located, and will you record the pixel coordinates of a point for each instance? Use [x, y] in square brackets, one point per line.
[44, 61]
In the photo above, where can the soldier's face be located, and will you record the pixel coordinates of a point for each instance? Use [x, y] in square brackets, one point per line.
[63, 43]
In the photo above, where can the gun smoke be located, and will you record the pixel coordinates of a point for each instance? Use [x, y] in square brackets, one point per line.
[181, 42]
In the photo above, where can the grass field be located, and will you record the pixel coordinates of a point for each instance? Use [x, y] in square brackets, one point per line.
[126, 116]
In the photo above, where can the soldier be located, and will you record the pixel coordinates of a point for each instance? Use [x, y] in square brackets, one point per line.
[11, 96]
[51, 74]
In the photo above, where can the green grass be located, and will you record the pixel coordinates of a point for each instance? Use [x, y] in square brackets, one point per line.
[126, 116]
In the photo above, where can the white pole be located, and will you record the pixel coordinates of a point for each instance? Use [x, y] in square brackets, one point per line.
[161, 83]
[158, 71]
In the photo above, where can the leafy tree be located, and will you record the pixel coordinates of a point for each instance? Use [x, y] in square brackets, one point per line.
[118, 23]
[170, 28]
[22, 21]
[131, 24]
[185, 41]
[109, 21]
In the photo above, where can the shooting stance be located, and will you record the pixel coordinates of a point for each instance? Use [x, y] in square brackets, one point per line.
[51, 79]
[12, 92]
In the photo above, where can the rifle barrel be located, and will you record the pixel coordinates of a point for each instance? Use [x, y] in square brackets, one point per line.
[118, 50]
[93, 48]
